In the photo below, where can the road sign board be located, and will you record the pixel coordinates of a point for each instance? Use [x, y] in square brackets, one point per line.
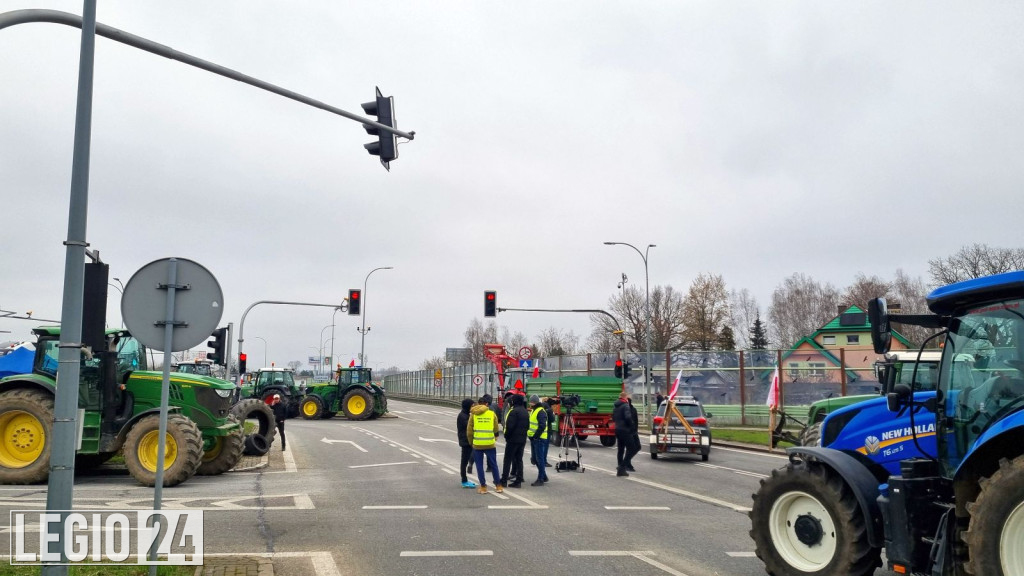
[525, 353]
[438, 382]
[478, 380]
[437, 374]
[526, 363]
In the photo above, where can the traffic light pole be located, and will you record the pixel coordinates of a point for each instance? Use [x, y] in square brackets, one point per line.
[241, 323]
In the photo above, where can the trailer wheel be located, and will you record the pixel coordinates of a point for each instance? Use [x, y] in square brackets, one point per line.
[805, 520]
[223, 454]
[254, 411]
[183, 450]
[357, 404]
[312, 408]
[996, 530]
[26, 422]
[607, 440]
[811, 435]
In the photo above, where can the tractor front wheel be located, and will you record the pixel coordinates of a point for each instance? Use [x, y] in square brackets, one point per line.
[811, 435]
[26, 421]
[996, 530]
[183, 450]
[805, 520]
[223, 454]
[357, 404]
[312, 408]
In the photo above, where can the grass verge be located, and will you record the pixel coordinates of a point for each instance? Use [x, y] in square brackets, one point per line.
[747, 436]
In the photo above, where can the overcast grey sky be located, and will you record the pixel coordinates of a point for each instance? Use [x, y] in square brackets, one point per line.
[747, 139]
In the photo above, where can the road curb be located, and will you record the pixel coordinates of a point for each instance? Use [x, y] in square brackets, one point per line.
[250, 463]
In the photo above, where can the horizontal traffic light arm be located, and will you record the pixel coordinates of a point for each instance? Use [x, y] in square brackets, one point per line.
[57, 17]
[616, 322]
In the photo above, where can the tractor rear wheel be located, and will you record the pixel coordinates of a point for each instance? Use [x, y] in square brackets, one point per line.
[607, 440]
[805, 520]
[26, 422]
[255, 412]
[811, 435]
[357, 404]
[223, 454]
[997, 523]
[312, 408]
[183, 449]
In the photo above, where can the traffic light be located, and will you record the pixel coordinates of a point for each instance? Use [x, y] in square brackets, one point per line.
[220, 340]
[618, 368]
[386, 145]
[241, 363]
[353, 302]
[626, 369]
[490, 304]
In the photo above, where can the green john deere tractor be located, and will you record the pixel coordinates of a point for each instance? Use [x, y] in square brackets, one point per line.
[121, 404]
[352, 393]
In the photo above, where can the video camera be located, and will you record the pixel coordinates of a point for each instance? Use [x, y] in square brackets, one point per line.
[569, 401]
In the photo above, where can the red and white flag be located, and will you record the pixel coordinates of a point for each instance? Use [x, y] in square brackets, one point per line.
[675, 385]
[773, 391]
[352, 364]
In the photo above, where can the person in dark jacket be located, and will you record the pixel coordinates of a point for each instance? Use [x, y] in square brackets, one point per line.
[467, 449]
[625, 434]
[517, 422]
[280, 415]
[636, 433]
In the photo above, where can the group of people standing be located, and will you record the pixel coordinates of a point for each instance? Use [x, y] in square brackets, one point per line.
[478, 429]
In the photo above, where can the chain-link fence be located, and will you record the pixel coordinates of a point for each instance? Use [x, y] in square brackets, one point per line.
[733, 385]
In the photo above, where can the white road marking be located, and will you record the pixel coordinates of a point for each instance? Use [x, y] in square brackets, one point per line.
[289, 459]
[640, 555]
[386, 464]
[751, 452]
[438, 440]
[742, 554]
[357, 446]
[419, 553]
[417, 507]
[637, 508]
[735, 470]
[679, 491]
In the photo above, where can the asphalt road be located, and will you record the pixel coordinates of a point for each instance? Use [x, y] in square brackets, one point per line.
[383, 497]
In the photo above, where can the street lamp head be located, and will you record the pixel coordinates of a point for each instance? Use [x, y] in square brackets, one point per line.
[610, 243]
[652, 245]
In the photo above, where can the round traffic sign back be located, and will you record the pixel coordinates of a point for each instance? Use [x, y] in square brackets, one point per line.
[198, 305]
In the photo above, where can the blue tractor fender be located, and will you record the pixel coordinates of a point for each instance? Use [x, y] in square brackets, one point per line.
[1004, 439]
[857, 477]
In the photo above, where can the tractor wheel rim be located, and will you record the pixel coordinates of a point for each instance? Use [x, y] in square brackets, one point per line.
[213, 452]
[22, 439]
[1011, 555]
[782, 522]
[150, 444]
[356, 405]
[309, 408]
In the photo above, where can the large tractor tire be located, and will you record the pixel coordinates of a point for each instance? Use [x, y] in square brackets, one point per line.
[811, 435]
[256, 445]
[183, 450]
[312, 408]
[224, 453]
[996, 530]
[255, 411]
[26, 422]
[607, 441]
[357, 404]
[806, 521]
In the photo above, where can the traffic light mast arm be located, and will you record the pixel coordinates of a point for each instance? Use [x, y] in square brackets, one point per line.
[614, 320]
[241, 323]
[57, 17]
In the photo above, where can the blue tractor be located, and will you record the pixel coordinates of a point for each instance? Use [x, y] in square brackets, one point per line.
[937, 478]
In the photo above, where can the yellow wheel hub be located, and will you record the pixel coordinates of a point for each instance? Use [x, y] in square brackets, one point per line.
[309, 408]
[356, 404]
[208, 455]
[147, 450]
[22, 438]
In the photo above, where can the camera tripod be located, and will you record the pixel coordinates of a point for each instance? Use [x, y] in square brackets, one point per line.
[566, 443]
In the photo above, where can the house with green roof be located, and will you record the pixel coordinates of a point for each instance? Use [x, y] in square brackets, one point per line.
[843, 342]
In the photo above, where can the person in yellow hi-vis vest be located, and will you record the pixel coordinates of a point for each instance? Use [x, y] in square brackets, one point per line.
[482, 432]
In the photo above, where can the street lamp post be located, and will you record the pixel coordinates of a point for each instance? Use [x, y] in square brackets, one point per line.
[323, 350]
[120, 288]
[333, 314]
[364, 329]
[647, 322]
[321, 341]
[264, 350]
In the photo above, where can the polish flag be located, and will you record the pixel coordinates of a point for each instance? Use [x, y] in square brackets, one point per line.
[675, 385]
[352, 364]
[773, 391]
[536, 371]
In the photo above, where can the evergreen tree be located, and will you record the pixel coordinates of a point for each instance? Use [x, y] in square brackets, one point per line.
[726, 340]
[758, 335]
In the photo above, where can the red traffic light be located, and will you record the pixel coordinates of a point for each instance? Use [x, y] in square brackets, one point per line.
[490, 295]
[355, 295]
[242, 357]
[618, 363]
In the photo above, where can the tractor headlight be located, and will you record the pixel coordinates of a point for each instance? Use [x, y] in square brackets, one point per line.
[223, 393]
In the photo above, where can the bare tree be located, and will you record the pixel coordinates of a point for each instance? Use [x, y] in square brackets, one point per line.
[666, 319]
[477, 334]
[629, 308]
[513, 341]
[743, 311]
[435, 363]
[555, 342]
[865, 288]
[705, 311]
[799, 307]
[975, 261]
[910, 294]
[294, 365]
[601, 339]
